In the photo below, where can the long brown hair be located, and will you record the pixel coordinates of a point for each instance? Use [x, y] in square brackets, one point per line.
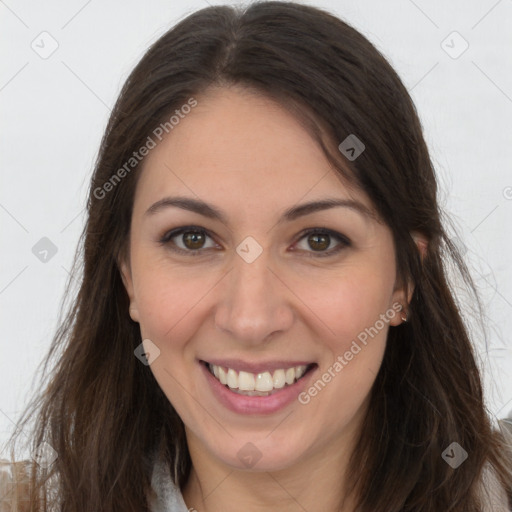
[103, 412]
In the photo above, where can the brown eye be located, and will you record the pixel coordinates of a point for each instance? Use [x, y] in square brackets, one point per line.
[189, 240]
[193, 240]
[320, 241]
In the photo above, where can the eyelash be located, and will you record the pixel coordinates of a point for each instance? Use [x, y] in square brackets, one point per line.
[343, 240]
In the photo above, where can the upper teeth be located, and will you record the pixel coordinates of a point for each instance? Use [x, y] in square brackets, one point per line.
[265, 381]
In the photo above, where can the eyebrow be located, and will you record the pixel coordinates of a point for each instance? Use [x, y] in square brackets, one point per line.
[211, 212]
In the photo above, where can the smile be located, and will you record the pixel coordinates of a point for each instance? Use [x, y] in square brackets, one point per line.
[257, 384]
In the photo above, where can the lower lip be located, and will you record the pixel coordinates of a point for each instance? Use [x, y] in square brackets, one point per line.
[242, 404]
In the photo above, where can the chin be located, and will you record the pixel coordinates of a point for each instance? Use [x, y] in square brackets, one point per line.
[263, 454]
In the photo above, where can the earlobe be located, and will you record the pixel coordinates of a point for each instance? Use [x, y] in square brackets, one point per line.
[126, 276]
[134, 313]
[400, 307]
[400, 303]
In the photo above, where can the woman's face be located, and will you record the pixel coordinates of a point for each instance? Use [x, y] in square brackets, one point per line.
[252, 290]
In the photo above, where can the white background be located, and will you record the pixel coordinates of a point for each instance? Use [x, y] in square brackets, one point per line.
[54, 111]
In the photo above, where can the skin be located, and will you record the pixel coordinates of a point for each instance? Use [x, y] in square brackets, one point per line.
[250, 158]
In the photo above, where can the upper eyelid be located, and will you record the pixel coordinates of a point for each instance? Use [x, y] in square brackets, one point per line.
[332, 233]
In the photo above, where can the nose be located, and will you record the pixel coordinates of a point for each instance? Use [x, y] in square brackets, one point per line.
[254, 303]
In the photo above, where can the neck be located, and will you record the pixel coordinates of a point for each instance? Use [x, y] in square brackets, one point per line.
[316, 481]
[232, 491]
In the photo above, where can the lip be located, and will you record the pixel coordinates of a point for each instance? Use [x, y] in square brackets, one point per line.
[242, 404]
[243, 366]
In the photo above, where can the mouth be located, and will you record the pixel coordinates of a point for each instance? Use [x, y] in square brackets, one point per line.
[261, 384]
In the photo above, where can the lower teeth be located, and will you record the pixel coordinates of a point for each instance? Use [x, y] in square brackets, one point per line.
[251, 393]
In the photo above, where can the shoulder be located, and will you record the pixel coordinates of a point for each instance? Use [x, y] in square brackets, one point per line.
[494, 495]
[166, 495]
[14, 488]
[14, 485]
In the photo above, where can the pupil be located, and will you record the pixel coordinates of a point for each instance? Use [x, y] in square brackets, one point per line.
[319, 242]
[193, 240]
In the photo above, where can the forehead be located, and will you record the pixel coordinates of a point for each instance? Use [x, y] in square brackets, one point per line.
[244, 149]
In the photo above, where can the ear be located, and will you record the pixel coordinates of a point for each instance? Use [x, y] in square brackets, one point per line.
[126, 276]
[402, 296]
[421, 242]
[399, 303]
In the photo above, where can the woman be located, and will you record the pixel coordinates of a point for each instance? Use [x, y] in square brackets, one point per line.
[264, 319]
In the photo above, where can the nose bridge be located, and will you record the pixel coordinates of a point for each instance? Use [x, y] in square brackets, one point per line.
[253, 304]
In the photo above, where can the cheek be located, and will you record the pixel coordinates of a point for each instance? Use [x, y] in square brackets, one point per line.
[167, 297]
[170, 309]
[347, 302]
[354, 312]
